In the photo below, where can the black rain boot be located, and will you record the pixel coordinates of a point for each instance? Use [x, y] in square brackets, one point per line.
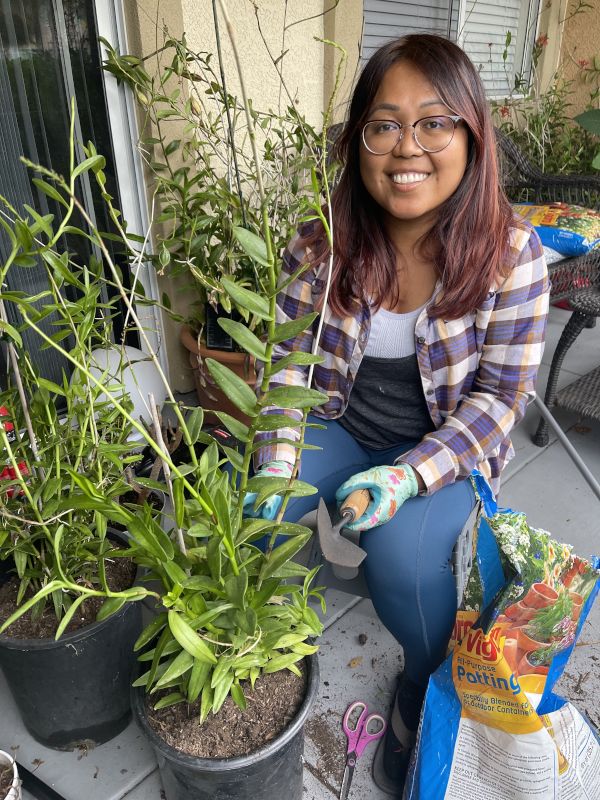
[390, 765]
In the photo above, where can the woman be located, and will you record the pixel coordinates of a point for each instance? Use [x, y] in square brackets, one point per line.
[432, 339]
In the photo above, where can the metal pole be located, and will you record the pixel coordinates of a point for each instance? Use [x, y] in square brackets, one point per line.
[574, 455]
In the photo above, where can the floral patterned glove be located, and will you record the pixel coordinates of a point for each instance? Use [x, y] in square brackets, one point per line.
[271, 506]
[389, 488]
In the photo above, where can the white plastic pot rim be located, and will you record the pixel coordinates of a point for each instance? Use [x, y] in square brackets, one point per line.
[14, 793]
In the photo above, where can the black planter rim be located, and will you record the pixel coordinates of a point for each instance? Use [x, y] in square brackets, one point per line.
[49, 642]
[237, 762]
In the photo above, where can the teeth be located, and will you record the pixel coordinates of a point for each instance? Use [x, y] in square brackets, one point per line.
[409, 177]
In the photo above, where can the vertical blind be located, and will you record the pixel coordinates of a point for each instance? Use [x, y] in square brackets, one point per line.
[49, 53]
[480, 26]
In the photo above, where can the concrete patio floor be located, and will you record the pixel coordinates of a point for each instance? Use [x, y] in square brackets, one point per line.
[544, 483]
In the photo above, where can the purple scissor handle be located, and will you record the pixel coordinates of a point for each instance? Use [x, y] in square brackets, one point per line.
[360, 728]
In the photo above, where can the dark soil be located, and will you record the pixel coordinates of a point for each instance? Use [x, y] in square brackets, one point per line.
[271, 706]
[6, 779]
[120, 574]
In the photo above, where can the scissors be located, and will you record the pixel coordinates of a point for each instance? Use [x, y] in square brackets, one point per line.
[360, 728]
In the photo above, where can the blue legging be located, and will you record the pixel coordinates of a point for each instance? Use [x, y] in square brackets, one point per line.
[407, 568]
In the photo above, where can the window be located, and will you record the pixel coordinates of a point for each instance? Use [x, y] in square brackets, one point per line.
[479, 26]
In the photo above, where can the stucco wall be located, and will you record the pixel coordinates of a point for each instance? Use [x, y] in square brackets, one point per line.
[580, 43]
[573, 39]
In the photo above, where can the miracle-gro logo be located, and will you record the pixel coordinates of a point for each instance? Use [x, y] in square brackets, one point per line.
[485, 647]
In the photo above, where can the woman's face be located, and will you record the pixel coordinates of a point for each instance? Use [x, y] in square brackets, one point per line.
[410, 184]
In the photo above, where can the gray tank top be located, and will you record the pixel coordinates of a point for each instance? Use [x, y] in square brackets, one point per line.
[387, 406]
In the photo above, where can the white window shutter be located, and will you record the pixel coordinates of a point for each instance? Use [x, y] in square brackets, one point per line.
[480, 27]
[483, 34]
[390, 19]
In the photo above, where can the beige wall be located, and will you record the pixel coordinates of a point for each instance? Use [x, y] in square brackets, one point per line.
[308, 70]
[580, 44]
[573, 41]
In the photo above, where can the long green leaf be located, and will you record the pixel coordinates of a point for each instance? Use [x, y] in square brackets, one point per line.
[247, 340]
[294, 397]
[255, 303]
[282, 554]
[178, 667]
[234, 387]
[150, 631]
[282, 662]
[252, 245]
[189, 639]
[198, 677]
[94, 163]
[48, 589]
[68, 616]
[234, 426]
[289, 330]
[297, 358]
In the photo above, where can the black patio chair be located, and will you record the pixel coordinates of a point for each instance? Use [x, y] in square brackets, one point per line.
[576, 279]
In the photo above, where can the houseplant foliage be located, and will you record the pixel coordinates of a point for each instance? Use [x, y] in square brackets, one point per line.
[226, 611]
[197, 147]
[59, 443]
[540, 121]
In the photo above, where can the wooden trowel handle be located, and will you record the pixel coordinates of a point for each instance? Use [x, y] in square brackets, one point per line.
[356, 503]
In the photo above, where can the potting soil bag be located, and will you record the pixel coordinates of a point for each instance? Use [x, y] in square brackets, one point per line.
[569, 229]
[492, 727]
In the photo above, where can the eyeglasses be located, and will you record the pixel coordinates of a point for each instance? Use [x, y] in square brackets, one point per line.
[432, 134]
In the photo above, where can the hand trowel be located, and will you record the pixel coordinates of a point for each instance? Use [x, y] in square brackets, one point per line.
[343, 554]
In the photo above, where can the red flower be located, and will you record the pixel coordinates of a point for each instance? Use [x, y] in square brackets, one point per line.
[504, 111]
[583, 63]
[542, 40]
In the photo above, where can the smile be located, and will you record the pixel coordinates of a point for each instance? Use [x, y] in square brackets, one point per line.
[409, 177]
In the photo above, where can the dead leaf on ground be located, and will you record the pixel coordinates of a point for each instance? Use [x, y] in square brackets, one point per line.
[355, 662]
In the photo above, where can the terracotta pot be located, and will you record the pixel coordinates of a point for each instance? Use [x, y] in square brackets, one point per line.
[512, 653]
[527, 644]
[210, 397]
[577, 604]
[527, 668]
[520, 613]
[540, 595]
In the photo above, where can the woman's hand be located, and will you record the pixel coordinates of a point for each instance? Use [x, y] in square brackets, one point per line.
[389, 487]
[270, 508]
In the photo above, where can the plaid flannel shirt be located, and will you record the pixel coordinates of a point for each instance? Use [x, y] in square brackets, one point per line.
[478, 372]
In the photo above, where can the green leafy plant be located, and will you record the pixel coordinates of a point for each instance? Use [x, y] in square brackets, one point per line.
[553, 622]
[57, 439]
[541, 122]
[590, 121]
[205, 175]
[227, 610]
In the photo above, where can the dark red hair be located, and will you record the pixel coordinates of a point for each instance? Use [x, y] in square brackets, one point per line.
[468, 241]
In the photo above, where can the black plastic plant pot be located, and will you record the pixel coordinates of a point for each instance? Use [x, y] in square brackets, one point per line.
[274, 771]
[75, 691]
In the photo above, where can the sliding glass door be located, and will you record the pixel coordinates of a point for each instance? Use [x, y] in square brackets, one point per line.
[49, 54]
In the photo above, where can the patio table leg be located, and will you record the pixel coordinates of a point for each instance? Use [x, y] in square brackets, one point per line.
[577, 322]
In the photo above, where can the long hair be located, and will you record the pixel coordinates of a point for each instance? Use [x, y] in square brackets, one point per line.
[469, 238]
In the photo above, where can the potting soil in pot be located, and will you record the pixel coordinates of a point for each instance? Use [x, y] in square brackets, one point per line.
[271, 705]
[120, 574]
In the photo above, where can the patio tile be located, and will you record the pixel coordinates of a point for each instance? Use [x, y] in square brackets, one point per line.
[107, 772]
[149, 789]
[349, 671]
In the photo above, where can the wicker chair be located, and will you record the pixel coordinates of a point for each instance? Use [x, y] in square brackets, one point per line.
[576, 279]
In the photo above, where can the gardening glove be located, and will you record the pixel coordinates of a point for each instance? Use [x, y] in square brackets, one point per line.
[389, 487]
[270, 508]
